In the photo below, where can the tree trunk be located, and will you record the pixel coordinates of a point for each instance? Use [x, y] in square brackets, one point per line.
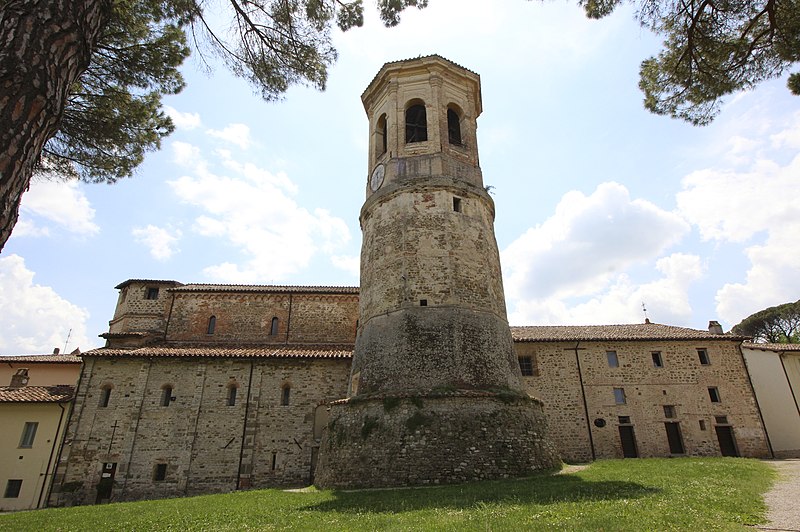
[45, 45]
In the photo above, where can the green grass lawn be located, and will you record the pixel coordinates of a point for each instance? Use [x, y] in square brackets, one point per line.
[646, 494]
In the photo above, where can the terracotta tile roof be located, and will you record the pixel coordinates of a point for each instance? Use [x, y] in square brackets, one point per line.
[266, 288]
[421, 58]
[227, 351]
[41, 359]
[639, 331]
[37, 394]
[772, 347]
[147, 281]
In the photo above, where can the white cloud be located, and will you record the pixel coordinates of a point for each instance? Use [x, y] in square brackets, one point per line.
[666, 299]
[254, 213]
[574, 267]
[347, 263]
[756, 207]
[161, 242]
[35, 319]
[60, 202]
[238, 134]
[588, 241]
[183, 120]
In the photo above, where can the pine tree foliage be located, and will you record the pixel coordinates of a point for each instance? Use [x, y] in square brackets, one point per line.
[774, 325]
[712, 48]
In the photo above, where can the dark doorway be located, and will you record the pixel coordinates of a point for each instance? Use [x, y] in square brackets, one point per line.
[727, 445]
[314, 458]
[674, 438]
[106, 484]
[628, 440]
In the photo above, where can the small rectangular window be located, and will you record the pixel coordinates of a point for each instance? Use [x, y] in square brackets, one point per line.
[613, 361]
[105, 397]
[423, 302]
[232, 396]
[702, 425]
[457, 204]
[619, 396]
[28, 434]
[624, 420]
[152, 293]
[166, 396]
[713, 394]
[721, 420]
[285, 395]
[274, 460]
[13, 487]
[658, 362]
[160, 472]
[526, 366]
[669, 411]
[702, 354]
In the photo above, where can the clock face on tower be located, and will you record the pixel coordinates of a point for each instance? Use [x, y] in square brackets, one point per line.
[376, 179]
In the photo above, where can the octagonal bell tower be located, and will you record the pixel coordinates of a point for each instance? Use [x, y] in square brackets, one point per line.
[435, 392]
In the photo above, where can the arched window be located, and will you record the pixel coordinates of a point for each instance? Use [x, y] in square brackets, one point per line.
[105, 395]
[453, 127]
[416, 123]
[273, 331]
[212, 324]
[166, 395]
[232, 389]
[285, 391]
[380, 136]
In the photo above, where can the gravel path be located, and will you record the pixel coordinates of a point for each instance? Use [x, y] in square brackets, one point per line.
[783, 500]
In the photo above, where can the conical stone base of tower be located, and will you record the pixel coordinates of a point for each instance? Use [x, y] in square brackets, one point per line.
[435, 392]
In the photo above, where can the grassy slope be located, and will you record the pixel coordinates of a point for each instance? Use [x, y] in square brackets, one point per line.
[648, 494]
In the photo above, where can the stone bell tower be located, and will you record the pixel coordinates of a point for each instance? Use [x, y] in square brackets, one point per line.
[435, 393]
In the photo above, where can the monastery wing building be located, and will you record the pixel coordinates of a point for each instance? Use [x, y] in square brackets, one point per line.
[212, 388]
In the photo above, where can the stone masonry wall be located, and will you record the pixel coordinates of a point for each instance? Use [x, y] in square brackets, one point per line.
[198, 436]
[682, 382]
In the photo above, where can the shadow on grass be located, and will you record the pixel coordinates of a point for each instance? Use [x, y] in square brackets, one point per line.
[540, 490]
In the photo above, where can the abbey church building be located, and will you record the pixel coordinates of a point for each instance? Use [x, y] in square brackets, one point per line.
[415, 377]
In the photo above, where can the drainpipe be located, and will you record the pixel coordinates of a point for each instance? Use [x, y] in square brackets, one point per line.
[56, 440]
[244, 427]
[583, 397]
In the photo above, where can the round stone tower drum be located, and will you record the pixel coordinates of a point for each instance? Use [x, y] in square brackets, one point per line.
[435, 392]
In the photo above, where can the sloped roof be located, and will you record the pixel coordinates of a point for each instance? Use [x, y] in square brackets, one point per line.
[772, 347]
[41, 359]
[37, 394]
[227, 351]
[146, 281]
[638, 331]
[266, 288]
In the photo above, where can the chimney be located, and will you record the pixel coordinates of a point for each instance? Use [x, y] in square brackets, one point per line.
[715, 328]
[20, 378]
[56, 351]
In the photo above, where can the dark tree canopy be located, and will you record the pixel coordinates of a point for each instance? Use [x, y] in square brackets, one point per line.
[774, 325]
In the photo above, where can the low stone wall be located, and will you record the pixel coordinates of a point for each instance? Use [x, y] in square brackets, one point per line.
[434, 439]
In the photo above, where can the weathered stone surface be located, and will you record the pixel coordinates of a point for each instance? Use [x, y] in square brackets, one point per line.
[394, 441]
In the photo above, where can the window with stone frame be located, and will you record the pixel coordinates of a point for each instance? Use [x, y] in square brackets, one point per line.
[416, 123]
[527, 366]
[212, 325]
[151, 292]
[669, 411]
[160, 472]
[380, 136]
[658, 361]
[619, 396]
[105, 395]
[286, 390]
[166, 395]
[613, 360]
[453, 127]
[713, 394]
[232, 391]
[702, 354]
[273, 329]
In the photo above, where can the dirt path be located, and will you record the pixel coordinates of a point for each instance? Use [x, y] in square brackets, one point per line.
[783, 500]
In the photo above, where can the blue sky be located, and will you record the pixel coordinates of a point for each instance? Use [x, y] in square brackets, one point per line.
[601, 206]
